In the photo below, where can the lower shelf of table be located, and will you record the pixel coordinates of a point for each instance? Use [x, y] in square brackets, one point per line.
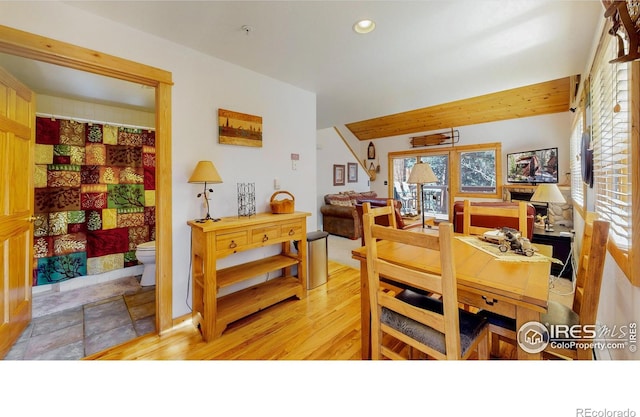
[250, 300]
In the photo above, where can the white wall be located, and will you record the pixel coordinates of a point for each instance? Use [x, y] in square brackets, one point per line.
[202, 84]
[515, 135]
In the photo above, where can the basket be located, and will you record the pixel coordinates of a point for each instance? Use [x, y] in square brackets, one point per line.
[282, 206]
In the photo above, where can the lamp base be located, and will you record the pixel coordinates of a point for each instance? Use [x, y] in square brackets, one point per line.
[206, 219]
[206, 201]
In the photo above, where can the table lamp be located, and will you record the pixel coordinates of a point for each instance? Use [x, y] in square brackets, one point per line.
[548, 193]
[422, 173]
[205, 172]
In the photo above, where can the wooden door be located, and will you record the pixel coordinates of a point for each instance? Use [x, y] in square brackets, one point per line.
[17, 138]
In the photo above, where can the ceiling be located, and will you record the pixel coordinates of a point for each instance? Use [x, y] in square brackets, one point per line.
[421, 54]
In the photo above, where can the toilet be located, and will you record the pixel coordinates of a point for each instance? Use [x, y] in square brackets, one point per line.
[146, 254]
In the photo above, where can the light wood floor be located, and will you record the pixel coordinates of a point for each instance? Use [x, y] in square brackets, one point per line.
[325, 325]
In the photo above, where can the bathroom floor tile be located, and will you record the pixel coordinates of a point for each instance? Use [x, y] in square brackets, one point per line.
[142, 311]
[72, 351]
[109, 338]
[76, 323]
[37, 345]
[17, 352]
[145, 326]
[144, 296]
[51, 323]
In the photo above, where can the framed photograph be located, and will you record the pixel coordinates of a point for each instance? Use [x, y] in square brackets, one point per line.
[338, 175]
[352, 172]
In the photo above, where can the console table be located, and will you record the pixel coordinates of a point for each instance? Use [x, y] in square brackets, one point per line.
[211, 241]
[561, 239]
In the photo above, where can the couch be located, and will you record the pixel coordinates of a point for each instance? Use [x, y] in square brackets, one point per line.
[492, 221]
[339, 214]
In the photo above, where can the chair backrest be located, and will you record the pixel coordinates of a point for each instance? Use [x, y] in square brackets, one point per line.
[443, 283]
[590, 267]
[519, 212]
[382, 219]
[389, 211]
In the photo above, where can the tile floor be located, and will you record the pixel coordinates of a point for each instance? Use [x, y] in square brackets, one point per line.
[107, 315]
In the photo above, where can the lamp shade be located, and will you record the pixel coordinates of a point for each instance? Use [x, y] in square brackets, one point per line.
[205, 172]
[548, 193]
[422, 173]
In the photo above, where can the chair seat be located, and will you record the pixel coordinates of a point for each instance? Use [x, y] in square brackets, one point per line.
[470, 324]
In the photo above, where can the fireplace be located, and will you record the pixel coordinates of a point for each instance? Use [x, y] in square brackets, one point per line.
[558, 213]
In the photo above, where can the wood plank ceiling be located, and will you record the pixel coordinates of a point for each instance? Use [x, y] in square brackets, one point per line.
[533, 100]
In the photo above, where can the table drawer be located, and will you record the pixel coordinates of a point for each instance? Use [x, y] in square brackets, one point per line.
[292, 230]
[265, 234]
[233, 241]
[487, 302]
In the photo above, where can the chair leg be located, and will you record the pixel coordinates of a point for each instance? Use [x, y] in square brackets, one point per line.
[483, 347]
[495, 345]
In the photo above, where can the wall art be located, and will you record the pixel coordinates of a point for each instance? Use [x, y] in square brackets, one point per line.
[338, 175]
[352, 172]
[239, 129]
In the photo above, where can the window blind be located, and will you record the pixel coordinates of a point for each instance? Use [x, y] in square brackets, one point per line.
[611, 144]
[577, 188]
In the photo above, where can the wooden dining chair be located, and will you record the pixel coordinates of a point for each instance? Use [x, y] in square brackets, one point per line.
[519, 212]
[436, 327]
[390, 214]
[585, 300]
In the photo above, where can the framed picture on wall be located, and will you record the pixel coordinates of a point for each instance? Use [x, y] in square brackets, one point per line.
[338, 175]
[352, 172]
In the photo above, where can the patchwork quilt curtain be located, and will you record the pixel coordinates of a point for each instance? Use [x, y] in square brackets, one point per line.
[94, 198]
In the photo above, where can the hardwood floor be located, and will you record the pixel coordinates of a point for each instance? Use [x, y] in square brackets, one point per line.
[325, 325]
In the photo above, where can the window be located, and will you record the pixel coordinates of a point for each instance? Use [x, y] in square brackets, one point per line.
[575, 146]
[614, 93]
[435, 195]
[611, 145]
[478, 172]
[471, 171]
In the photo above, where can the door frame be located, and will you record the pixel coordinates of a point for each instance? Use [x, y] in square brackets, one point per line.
[40, 48]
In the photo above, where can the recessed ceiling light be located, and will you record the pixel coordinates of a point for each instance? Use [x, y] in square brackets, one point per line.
[364, 26]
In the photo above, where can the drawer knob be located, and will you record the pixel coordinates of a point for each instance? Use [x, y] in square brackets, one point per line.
[489, 302]
[265, 238]
[292, 232]
[233, 244]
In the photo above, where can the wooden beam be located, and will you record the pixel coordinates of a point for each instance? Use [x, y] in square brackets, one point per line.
[533, 100]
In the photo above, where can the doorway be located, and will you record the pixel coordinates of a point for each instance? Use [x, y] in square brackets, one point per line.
[435, 197]
[27, 45]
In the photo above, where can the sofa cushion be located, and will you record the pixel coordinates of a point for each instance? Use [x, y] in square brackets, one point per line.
[339, 200]
[366, 195]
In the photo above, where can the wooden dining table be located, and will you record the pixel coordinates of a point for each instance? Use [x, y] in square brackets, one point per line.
[517, 288]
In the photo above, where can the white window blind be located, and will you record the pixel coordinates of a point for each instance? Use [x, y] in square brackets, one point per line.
[577, 188]
[611, 145]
